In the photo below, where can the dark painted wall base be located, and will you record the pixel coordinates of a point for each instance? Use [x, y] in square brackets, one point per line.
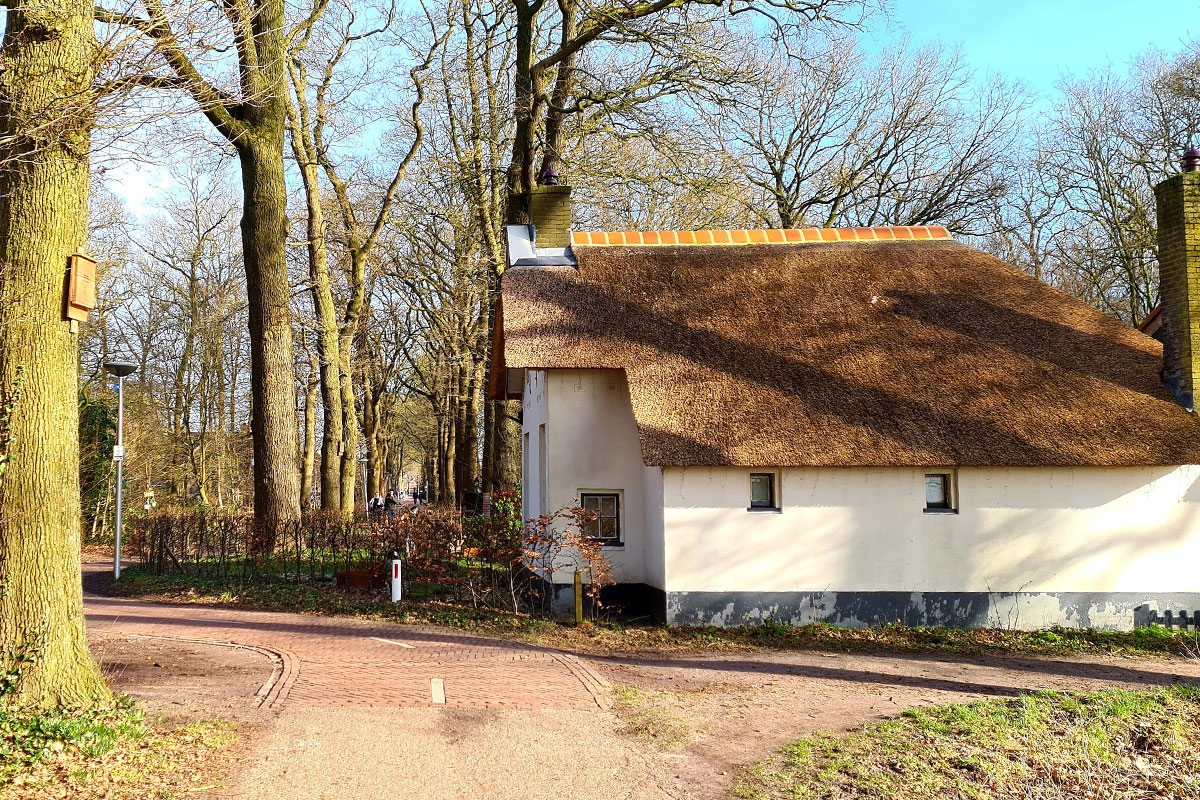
[624, 600]
[1015, 610]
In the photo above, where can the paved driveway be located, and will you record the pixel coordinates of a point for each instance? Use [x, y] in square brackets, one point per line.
[364, 710]
[372, 709]
[325, 661]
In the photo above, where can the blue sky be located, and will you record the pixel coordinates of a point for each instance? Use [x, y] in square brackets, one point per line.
[1039, 40]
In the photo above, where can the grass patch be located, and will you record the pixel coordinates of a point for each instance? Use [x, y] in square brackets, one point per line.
[113, 753]
[308, 598]
[1110, 744]
[612, 637]
[646, 718]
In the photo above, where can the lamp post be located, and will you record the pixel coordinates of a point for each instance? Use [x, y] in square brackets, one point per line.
[120, 370]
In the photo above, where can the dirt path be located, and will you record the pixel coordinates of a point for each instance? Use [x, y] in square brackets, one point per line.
[350, 709]
[720, 713]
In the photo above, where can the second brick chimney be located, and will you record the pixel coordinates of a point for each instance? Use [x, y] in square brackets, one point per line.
[1178, 201]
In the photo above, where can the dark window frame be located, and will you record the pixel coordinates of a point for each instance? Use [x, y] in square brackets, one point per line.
[607, 541]
[947, 504]
[773, 488]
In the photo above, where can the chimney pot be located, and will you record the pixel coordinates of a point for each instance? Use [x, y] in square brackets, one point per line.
[550, 176]
[1191, 160]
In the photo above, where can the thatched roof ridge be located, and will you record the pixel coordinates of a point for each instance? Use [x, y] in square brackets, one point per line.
[757, 236]
[849, 354]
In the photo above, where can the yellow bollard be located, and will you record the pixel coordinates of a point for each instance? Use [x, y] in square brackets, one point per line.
[578, 597]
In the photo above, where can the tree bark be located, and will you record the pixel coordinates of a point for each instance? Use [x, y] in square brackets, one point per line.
[349, 426]
[308, 456]
[45, 122]
[321, 290]
[264, 232]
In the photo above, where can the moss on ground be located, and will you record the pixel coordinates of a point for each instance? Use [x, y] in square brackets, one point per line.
[647, 717]
[1109, 744]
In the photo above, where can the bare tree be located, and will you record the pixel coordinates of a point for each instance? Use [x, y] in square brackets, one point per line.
[829, 136]
[319, 88]
[246, 103]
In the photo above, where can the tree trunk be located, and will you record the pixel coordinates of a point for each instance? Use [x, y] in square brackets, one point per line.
[489, 439]
[356, 309]
[45, 124]
[321, 290]
[309, 456]
[459, 411]
[264, 232]
[349, 426]
[506, 461]
[471, 433]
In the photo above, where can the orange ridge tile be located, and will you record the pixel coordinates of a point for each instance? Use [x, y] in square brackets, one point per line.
[759, 236]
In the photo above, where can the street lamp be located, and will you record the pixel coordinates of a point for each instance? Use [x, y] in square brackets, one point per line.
[120, 370]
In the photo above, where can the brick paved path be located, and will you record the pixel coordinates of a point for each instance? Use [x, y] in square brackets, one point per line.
[325, 661]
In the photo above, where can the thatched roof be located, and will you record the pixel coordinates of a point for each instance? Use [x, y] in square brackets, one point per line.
[849, 354]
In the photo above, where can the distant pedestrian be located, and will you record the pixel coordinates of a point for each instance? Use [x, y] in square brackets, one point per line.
[376, 503]
[390, 505]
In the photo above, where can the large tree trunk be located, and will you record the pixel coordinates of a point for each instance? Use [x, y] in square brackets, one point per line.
[45, 124]
[264, 231]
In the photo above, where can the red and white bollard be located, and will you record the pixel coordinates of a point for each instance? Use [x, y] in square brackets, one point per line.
[396, 581]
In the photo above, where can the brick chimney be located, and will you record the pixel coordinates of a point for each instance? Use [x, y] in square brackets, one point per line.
[550, 212]
[1178, 201]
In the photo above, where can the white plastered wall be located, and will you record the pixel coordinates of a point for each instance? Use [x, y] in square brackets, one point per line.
[534, 413]
[592, 445]
[1082, 529]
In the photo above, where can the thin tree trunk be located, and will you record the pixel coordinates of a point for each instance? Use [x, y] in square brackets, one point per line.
[488, 444]
[471, 433]
[459, 411]
[349, 427]
[308, 457]
[321, 289]
[45, 87]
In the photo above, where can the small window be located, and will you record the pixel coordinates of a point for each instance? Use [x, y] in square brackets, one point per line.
[762, 492]
[939, 492]
[607, 525]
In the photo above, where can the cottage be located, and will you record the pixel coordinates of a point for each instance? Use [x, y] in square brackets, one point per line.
[857, 426]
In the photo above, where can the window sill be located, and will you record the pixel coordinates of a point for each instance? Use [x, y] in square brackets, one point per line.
[941, 510]
[608, 545]
[760, 510]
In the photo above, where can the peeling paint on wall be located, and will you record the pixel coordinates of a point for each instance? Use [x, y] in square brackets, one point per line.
[1011, 610]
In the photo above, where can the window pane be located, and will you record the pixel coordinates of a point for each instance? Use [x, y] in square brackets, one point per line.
[608, 528]
[935, 491]
[592, 529]
[760, 489]
[608, 505]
